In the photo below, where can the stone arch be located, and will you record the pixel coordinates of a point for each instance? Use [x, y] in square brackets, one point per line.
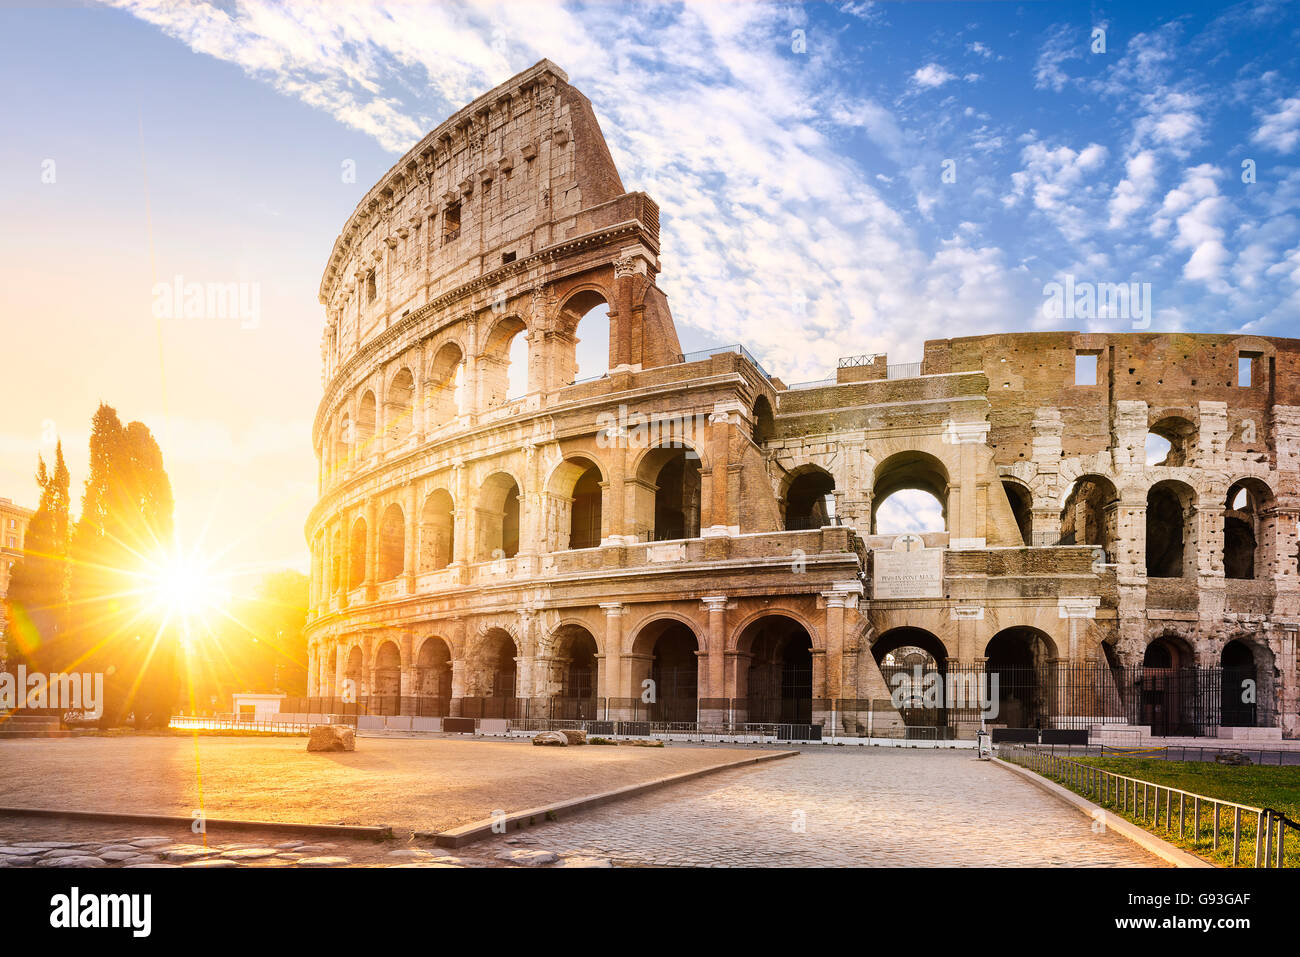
[357, 554]
[899, 652]
[1021, 657]
[391, 543]
[1241, 686]
[399, 406]
[1090, 513]
[494, 365]
[1168, 694]
[354, 670]
[491, 670]
[1179, 434]
[437, 531]
[366, 424]
[433, 677]
[497, 517]
[906, 471]
[443, 398]
[666, 650]
[774, 673]
[1248, 527]
[573, 672]
[584, 314]
[388, 676]
[808, 499]
[1171, 530]
[668, 493]
[574, 504]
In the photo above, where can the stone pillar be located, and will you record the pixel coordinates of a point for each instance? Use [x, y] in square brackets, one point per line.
[968, 618]
[407, 687]
[712, 671]
[412, 543]
[372, 550]
[609, 676]
[1212, 591]
[965, 528]
[460, 515]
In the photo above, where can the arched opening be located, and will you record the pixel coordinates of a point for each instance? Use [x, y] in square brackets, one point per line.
[1245, 525]
[778, 681]
[1022, 509]
[1089, 515]
[490, 677]
[365, 427]
[437, 531]
[433, 678]
[1018, 659]
[810, 500]
[909, 494]
[388, 680]
[573, 513]
[357, 555]
[672, 668]
[764, 421]
[1171, 442]
[444, 396]
[1171, 531]
[574, 674]
[392, 543]
[675, 478]
[1169, 687]
[914, 665]
[399, 407]
[355, 687]
[498, 518]
[503, 364]
[587, 314]
[1239, 686]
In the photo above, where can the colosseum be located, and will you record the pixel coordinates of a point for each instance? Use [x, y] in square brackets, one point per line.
[689, 543]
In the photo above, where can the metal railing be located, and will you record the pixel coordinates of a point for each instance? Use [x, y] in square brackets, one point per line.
[238, 722]
[1120, 792]
[718, 350]
[903, 370]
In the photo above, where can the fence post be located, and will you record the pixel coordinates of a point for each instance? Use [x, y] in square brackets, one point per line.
[1182, 814]
[1196, 820]
[1214, 828]
[1281, 840]
[1236, 836]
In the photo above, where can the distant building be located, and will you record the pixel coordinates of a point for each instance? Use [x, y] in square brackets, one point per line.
[13, 529]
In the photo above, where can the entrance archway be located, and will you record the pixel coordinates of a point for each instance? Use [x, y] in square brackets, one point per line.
[433, 678]
[665, 652]
[1020, 658]
[778, 684]
[1240, 686]
[1169, 687]
[387, 696]
[575, 673]
[490, 680]
[913, 663]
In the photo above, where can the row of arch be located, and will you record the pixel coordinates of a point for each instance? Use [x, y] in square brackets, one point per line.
[573, 506]
[419, 395]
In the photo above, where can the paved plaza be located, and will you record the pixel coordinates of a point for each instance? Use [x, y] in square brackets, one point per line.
[883, 807]
[877, 807]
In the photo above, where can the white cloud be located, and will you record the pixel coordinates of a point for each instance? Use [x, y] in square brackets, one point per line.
[1280, 130]
[932, 75]
[1135, 190]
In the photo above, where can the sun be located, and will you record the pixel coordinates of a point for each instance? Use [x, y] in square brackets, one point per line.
[184, 587]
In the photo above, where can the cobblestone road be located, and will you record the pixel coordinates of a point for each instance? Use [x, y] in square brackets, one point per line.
[876, 808]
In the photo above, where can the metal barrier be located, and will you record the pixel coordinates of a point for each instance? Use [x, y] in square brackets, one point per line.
[237, 722]
[1120, 792]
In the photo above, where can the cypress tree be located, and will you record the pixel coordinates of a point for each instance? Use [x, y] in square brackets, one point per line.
[38, 588]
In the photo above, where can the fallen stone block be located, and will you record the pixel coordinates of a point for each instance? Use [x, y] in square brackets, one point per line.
[554, 739]
[575, 736]
[1234, 758]
[332, 737]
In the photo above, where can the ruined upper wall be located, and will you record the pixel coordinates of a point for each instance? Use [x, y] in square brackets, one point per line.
[522, 167]
[1173, 373]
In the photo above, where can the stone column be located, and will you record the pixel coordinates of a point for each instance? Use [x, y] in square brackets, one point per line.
[965, 530]
[712, 666]
[412, 559]
[372, 550]
[407, 686]
[610, 681]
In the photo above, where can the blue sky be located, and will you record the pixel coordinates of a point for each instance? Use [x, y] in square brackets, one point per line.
[798, 153]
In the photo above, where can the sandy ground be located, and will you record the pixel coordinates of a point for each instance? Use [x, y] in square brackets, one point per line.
[410, 784]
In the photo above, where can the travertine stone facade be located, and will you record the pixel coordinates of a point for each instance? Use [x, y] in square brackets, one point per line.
[701, 516]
